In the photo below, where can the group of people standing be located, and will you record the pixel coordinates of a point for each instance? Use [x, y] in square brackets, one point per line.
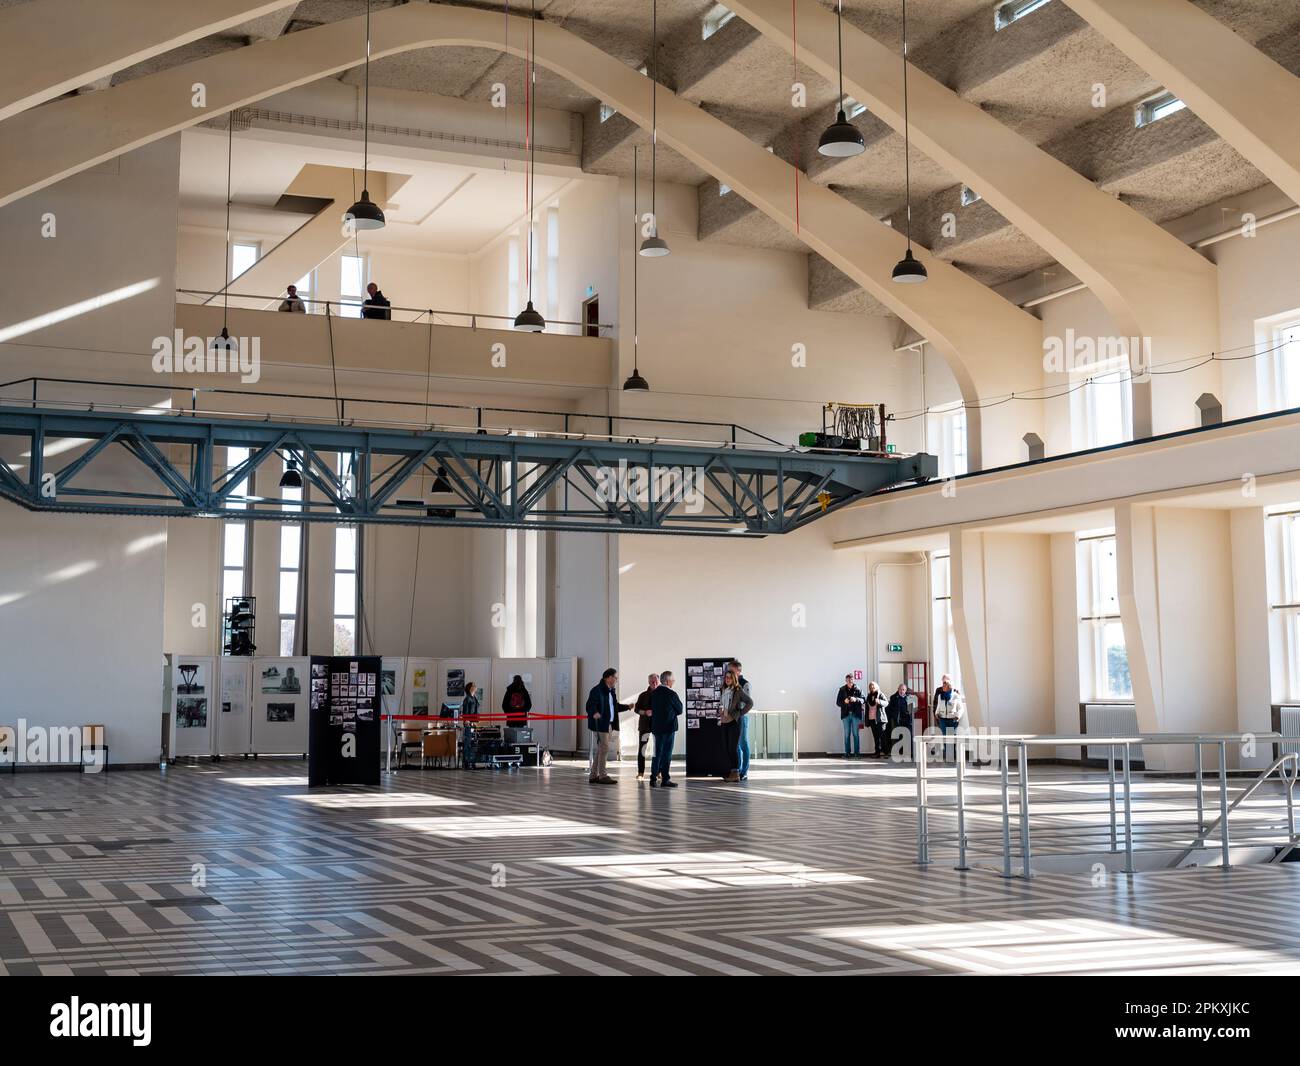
[890, 720]
[658, 708]
[870, 709]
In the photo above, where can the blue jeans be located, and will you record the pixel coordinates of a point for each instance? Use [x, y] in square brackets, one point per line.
[946, 726]
[851, 723]
[663, 755]
[743, 763]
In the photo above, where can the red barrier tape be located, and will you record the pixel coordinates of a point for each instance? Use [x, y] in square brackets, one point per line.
[483, 717]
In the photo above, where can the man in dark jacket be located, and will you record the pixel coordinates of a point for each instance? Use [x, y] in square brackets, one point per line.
[516, 702]
[643, 734]
[899, 714]
[852, 705]
[665, 709]
[602, 720]
[376, 305]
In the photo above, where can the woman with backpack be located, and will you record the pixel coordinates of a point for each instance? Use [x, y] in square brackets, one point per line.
[516, 703]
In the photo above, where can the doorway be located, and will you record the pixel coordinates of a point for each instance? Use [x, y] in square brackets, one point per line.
[591, 316]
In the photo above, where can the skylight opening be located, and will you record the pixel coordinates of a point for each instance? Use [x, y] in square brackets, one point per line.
[715, 18]
[1014, 10]
[1154, 108]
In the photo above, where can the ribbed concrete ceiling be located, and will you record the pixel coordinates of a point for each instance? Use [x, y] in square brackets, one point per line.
[1038, 75]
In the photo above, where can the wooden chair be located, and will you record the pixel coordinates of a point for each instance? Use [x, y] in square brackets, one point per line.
[410, 742]
[439, 745]
[93, 739]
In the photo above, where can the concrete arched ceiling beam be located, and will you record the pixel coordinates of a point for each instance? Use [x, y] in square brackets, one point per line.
[1152, 284]
[1239, 92]
[55, 46]
[992, 346]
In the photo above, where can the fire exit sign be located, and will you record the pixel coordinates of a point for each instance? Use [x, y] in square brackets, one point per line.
[894, 648]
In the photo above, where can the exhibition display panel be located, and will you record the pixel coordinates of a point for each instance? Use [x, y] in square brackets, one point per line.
[705, 753]
[235, 706]
[560, 734]
[454, 674]
[280, 705]
[192, 705]
[417, 697]
[343, 743]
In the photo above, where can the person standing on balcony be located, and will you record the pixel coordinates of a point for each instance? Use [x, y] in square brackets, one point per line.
[376, 304]
[293, 302]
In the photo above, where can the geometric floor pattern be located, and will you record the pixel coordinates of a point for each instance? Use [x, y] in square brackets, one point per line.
[236, 868]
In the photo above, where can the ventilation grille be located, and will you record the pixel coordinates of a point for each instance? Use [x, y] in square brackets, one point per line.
[1289, 726]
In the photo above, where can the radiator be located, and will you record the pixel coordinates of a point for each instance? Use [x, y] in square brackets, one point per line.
[1289, 726]
[1118, 720]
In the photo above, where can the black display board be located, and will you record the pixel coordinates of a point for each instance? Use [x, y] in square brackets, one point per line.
[706, 755]
[343, 741]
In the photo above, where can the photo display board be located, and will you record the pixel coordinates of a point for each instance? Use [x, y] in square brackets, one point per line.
[346, 692]
[193, 713]
[705, 753]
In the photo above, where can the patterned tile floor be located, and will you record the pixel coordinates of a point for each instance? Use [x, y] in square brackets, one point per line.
[236, 868]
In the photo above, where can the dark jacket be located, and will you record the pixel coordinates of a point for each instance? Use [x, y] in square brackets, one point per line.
[377, 306]
[842, 701]
[599, 719]
[469, 705]
[642, 706]
[516, 716]
[899, 710]
[665, 709]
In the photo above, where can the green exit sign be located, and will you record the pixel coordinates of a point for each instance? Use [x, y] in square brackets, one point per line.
[894, 647]
[892, 448]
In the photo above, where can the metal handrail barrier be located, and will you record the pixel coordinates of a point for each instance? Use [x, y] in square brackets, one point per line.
[732, 440]
[1022, 743]
[360, 301]
[755, 743]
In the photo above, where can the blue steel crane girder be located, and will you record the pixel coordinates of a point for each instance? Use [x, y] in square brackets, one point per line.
[498, 479]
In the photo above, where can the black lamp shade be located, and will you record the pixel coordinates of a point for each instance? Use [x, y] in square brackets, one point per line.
[653, 247]
[530, 320]
[440, 483]
[841, 138]
[365, 213]
[224, 342]
[909, 270]
[636, 383]
[291, 479]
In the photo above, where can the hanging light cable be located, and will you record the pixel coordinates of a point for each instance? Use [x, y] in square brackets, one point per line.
[654, 245]
[909, 270]
[635, 383]
[365, 214]
[841, 139]
[224, 342]
[530, 320]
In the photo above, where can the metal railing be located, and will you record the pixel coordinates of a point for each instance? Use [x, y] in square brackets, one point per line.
[624, 428]
[340, 309]
[767, 733]
[1175, 840]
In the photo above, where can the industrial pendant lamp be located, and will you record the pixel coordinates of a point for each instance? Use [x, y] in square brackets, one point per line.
[224, 342]
[635, 382]
[291, 478]
[530, 320]
[365, 213]
[841, 138]
[654, 246]
[440, 483]
[908, 270]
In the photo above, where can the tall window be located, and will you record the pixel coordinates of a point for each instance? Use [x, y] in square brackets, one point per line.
[1103, 657]
[513, 276]
[1284, 602]
[236, 544]
[553, 262]
[948, 438]
[522, 578]
[243, 254]
[345, 573]
[1280, 368]
[290, 570]
[1101, 405]
[943, 635]
[306, 287]
[354, 276]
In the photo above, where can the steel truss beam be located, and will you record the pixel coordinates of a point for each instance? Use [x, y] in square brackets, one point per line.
[377, 475]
